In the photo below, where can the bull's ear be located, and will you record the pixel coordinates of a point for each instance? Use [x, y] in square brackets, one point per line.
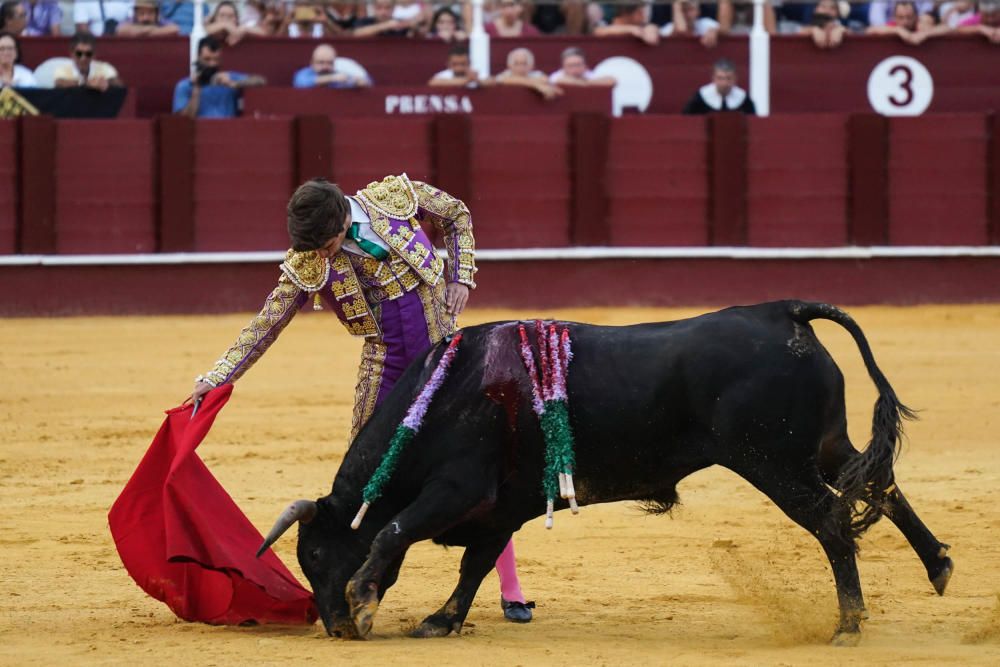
[300, 510]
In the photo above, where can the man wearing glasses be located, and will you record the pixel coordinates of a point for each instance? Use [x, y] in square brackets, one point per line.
[83, 70]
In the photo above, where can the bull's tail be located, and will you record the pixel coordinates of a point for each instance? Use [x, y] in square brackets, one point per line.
[864, 480]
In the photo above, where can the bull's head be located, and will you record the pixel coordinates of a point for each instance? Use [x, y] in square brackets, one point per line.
[329, 553]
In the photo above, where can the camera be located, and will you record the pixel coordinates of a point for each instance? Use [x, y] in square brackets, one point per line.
[205, 74]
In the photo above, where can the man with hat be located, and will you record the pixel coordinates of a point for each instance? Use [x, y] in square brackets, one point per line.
[147, 22]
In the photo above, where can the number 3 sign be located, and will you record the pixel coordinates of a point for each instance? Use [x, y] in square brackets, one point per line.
[900, 86]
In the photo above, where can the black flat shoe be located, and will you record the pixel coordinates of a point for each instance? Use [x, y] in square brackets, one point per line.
[517, 612]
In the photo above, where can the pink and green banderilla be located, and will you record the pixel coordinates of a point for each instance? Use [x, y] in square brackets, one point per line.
[551, 403]
[406, 431]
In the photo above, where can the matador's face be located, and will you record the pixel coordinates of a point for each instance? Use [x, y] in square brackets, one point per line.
[332, 247]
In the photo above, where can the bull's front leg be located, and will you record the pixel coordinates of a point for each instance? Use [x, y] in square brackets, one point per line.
[477, 561]
[438, 507]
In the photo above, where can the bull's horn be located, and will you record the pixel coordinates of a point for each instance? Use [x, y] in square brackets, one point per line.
[300, 510]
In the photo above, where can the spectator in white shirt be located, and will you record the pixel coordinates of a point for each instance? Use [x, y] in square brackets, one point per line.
[687, 22]
[521, 72]
[83, 69]
[100, 17]
[11, 73]
[459, 72]
[574, 71]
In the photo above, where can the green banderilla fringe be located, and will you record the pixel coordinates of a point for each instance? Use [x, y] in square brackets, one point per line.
[373, 489]
[559, 457]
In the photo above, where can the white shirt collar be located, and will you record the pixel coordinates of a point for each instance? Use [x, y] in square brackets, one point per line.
[712, 98]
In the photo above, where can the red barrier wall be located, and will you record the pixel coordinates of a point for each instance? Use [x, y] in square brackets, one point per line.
[104, 187]
[364, 150]
[519, 171]
[797, 181]
[243, 177]
[937, 180]
[8, 188]
[658, 193]
[541, 181]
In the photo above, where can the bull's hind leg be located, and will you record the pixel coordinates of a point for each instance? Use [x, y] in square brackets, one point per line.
[801, 495]
[477, 561]
[436, 508]
[932, 552]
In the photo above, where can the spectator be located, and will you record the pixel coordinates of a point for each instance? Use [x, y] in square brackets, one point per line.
[345, 15]
[84, 69]
[211, 92]
[308, 19]
[906, 25]
[44, 18]
[953, 13]
[146, 22]
[631, 19]
[722, 94]
[445, 26]
[509, 21]
[566, 17]
[13, 18]
[263, 17]
[100, 17]
[986, 22]
[574, 71]
[382, 24]
[181, 12]
[224, 24]
[12, 73]
[521, 72]
[459, 72]
[826, 30]
[323, 71]
[413, 13]
[687, 22]
[880, 12]
[736, 17]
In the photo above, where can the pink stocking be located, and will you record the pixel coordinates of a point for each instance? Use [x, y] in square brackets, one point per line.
[510, 587]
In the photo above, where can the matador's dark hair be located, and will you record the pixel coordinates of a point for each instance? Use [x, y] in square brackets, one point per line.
[317, 212]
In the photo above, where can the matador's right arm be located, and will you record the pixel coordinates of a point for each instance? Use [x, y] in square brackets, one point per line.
[302, 274]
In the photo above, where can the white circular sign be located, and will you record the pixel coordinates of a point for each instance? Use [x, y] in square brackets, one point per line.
[900, 86]
[634, 88]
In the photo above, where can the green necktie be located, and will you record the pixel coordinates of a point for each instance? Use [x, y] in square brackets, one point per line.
[373, 249]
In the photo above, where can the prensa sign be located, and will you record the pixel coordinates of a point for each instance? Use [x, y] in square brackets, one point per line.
[407, 104]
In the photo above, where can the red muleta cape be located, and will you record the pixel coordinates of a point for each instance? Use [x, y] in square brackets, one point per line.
[186, 543]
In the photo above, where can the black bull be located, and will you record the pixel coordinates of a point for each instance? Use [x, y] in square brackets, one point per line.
[748, 388]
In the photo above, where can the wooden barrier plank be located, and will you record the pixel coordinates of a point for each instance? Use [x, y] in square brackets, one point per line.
[519, 170]
[175, 183]
[868, 179]
[797, 181]
[244, 175]
[313, 148]
[993, 178]
[937, 192]
[37, 166]
[589, 136]
[727, 179]
[657, 185]
[365, 150]
[9, 200]
[104, 181]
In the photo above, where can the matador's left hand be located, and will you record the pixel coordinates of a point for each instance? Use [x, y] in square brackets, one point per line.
[456, 295]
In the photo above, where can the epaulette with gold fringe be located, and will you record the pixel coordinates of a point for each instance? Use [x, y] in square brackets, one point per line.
[392, 196]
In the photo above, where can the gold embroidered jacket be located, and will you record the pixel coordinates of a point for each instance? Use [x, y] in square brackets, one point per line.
[352, 284]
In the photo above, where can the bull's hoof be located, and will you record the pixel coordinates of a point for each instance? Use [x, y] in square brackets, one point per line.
[940, 581]
[842, 638]
[363, 604]
[434, 626]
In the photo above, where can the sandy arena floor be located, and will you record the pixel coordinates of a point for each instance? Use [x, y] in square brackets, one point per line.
[727, 580]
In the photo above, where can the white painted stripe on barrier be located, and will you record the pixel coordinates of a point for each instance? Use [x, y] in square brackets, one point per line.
[533, 254]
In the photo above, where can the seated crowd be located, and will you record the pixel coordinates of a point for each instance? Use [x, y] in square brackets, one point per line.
[211, 91]
[826, 21]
